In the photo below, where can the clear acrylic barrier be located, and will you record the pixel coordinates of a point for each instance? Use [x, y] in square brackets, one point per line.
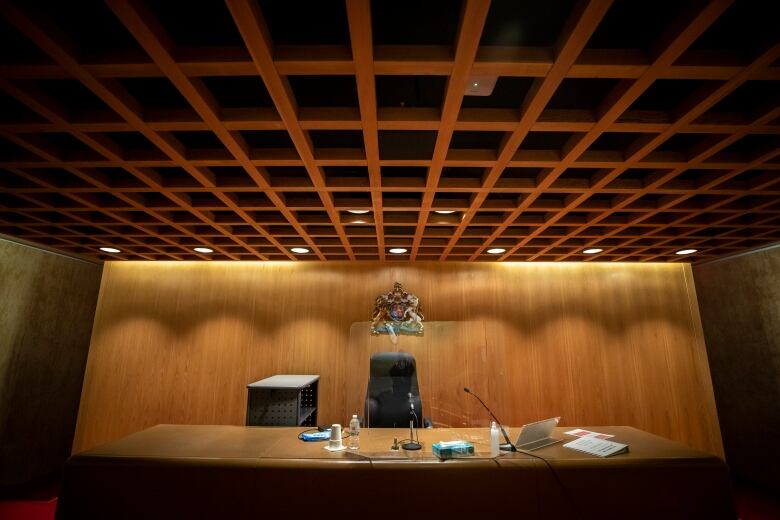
[449, 356]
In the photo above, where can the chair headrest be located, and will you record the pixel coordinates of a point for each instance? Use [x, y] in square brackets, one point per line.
[393, 364]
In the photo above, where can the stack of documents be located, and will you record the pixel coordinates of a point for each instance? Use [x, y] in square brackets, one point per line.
[598, 447]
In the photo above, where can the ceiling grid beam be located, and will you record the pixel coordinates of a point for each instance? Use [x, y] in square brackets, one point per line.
[359, 20]
[701, 170]
[678, 38]
[578, 30]
[251, 25]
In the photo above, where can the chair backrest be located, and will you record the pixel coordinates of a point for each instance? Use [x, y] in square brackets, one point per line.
[392, 376]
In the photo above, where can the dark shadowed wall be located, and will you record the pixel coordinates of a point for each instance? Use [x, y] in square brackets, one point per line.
[47, 305]
[740, 308]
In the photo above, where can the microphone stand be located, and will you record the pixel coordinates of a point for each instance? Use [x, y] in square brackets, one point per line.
[412, 444]
[507, 446]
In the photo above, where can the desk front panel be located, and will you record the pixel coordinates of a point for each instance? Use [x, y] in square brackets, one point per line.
[244, 472]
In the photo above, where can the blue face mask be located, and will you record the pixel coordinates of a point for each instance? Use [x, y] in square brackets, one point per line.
[316, 436]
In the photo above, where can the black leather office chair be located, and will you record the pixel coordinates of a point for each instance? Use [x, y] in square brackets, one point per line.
[392, 376]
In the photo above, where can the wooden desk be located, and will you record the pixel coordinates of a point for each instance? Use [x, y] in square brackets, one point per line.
[246, 472]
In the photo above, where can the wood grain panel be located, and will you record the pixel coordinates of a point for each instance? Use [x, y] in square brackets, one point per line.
[594, 343]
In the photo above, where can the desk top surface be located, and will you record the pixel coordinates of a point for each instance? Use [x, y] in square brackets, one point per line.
[171, 442]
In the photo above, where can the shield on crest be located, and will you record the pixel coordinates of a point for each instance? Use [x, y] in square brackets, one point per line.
[396, 311]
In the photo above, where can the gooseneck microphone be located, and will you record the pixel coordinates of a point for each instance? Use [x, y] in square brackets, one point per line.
[507, 446]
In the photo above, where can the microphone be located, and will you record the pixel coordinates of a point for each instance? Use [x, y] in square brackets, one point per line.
[412, 444]
[507, 446]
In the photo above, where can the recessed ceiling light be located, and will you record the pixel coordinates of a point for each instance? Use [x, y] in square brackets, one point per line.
[358, 211]
[299, 250]
[686, 251]
[398, 250]
[481, 85]
[444, 211]
[203, 250]
[593, 251]
[496, 250]
[110, 250]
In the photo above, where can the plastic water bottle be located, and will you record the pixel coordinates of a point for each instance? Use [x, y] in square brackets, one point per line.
[494, 447]
[354, 433]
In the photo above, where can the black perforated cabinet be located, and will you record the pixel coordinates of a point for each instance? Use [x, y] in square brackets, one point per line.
[283, 400]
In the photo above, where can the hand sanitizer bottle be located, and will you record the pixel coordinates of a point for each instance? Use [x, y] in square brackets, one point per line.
[494, 446]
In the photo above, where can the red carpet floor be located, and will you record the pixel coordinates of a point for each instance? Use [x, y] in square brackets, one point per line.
[28, 509]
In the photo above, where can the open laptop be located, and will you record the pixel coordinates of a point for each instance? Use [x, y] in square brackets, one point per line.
[537, 435]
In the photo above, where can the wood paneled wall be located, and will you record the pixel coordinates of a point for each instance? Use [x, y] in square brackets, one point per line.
[740, 308]
[47, 304]
[594, 343]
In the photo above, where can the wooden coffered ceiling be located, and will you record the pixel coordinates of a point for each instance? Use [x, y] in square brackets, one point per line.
[636, 127]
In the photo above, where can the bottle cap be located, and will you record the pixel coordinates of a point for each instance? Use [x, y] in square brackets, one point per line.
[354, 416]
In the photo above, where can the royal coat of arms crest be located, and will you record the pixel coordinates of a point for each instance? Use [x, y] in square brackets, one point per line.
[397, 312]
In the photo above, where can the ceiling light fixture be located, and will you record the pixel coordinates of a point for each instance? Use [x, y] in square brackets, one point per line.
[496, 250]
[398, 250]
[686, 251]
[593, 251]
[299, 250]
[358, 211]
[481, 85]
[205, 250]
[444, 211]
[110, 250]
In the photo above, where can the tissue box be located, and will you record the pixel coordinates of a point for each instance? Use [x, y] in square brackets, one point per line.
[453, 449]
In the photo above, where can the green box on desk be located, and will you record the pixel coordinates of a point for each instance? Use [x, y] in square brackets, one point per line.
[453, 449]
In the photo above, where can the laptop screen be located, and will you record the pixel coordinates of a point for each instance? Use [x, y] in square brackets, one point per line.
[537, 431]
